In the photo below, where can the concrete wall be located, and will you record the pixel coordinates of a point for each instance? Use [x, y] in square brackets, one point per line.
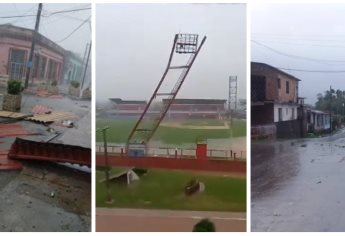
[289, 129]
[263, 131]
[289, 112]
[177, 164]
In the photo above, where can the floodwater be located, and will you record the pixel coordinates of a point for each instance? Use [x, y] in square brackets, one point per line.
[298, 185]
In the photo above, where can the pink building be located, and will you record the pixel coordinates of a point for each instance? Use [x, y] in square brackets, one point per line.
[15, 44]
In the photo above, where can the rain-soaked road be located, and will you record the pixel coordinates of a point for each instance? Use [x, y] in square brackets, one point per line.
[298, 185]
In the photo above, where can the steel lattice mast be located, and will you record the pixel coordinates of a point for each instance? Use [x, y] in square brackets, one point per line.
[183, 44]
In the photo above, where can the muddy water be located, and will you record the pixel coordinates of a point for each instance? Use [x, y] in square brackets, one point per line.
[297, 185]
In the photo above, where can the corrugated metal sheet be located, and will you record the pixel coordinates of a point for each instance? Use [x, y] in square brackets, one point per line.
[52, 117]
[55, 152]
[10, 114]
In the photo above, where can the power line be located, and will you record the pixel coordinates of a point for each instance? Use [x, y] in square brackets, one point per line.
[26, 12]
[302, 44]
[313, 71]
[48, 15]
[70, 34]
[294, 56]
[66, 11]
[311, 37]
[72, 17]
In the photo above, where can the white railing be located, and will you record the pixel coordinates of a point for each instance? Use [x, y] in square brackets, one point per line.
[119, 150]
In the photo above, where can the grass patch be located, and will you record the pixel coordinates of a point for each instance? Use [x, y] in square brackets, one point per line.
[163, 189]
[120, 129]
[204, 122]
[239, 128]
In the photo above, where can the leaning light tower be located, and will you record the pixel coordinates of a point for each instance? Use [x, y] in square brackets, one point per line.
[186, 45]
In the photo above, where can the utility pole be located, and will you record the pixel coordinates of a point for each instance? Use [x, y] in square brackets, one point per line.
[330, 108]
[85, 70]
[107, 168]
[32, 50]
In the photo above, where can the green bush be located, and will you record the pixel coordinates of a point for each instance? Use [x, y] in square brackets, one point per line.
[75, 84]
[14, 87]
[54, 83]
[205, 225]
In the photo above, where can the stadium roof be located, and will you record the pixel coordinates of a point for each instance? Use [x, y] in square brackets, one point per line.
[197, 101]
[120, 101]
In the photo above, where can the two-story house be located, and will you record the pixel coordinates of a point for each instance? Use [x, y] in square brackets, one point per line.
[274, 98]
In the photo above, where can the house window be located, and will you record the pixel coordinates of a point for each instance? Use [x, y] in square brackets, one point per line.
[16, 67]
[279, 84]
[293, 113]
[287, 87]
[280, 114]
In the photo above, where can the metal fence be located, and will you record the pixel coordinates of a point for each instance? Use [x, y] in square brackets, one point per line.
[119, 150]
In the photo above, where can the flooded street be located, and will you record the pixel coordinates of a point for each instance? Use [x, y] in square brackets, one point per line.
[297, 185]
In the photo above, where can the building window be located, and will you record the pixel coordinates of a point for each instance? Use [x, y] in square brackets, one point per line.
[287, 87]
[16, 64]
[293, 113]
[278, 83]
[280, 114]
[286, 111]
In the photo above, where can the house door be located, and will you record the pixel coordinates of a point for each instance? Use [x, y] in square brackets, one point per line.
[16, 64]
[280, 114]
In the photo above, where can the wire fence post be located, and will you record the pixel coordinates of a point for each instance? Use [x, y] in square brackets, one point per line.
[107, 167]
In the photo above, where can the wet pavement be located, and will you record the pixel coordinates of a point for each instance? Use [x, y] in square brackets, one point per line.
[297, 185]
[45, 197]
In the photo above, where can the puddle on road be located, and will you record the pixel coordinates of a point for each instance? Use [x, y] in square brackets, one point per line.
[272, 164]
[296, 184]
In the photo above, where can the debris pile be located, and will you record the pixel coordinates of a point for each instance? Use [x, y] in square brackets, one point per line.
[127, 176]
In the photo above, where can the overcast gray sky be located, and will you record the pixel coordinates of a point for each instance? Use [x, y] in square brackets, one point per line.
[311, 31]
[55, 27]
[133, 42]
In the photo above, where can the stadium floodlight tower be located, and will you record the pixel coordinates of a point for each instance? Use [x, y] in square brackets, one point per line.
[148, 122]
